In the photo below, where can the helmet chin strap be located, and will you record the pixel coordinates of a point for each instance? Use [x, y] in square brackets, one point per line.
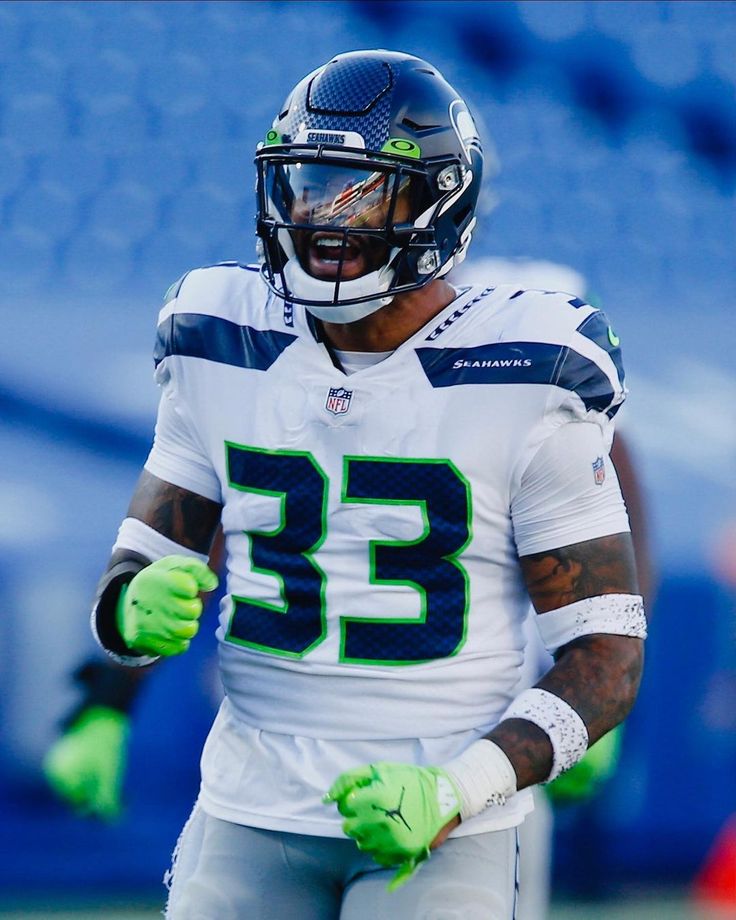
[306, 287]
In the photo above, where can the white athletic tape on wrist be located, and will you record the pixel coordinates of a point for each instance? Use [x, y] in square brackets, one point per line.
[559, 721]
[483, 775]
[134, 534]
[613, 614]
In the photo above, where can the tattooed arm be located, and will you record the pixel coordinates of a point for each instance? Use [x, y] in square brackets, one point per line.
[185, 518]
[182, 516]
[597, 675]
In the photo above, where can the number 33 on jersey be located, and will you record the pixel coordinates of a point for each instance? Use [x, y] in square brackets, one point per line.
[370, 518]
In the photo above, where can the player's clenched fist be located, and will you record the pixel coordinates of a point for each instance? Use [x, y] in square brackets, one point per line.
[158, 612]
[395, 811]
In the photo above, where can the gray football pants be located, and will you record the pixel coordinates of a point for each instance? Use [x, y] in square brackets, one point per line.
[225, 871]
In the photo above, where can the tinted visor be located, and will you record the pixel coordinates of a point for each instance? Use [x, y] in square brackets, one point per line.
[345, 197]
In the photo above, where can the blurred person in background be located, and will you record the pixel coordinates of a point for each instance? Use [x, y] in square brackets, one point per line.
[300, 430]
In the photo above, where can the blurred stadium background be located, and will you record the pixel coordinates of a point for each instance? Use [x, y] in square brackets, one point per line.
[127, 131]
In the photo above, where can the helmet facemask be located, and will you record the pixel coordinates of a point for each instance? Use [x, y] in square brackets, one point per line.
[345, 231]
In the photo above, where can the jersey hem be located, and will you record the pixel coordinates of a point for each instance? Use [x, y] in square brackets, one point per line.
[480, 824]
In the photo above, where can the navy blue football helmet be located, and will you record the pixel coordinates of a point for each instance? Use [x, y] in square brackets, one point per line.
[367, 184]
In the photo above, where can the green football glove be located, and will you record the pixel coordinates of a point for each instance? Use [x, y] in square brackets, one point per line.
[584, 779]
[158, 612]
[394, 811]
[85, 766]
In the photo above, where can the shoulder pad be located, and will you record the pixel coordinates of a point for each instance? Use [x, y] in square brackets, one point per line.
[172, 292]
[590, 363]
[228, 289]
[545, 316]
[597, 328]
[552, 300]
[233, 263]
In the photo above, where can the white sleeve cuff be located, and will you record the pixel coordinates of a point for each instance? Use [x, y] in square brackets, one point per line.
[134, 534]
[177, 455]
[568, 493]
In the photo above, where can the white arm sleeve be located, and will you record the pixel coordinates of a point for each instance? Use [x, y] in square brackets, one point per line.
[569, 492]
[177, 455]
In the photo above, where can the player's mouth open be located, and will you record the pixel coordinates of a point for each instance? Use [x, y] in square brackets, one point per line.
[326, 250]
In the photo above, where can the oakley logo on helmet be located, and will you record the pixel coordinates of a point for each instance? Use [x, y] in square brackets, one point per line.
[403, 147]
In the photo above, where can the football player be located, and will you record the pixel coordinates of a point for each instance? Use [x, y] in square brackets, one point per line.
[398, 466]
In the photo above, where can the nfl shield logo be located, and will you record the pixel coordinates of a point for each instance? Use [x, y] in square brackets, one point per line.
[338, 400]
[599, 471]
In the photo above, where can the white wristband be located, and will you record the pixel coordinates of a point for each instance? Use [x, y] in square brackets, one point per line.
[614, 614]
[559, 721]
[483, 776]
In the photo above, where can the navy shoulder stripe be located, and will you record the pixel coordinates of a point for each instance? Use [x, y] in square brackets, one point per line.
[519, 362]
[215, 339]
[582, 376]
[597, 328]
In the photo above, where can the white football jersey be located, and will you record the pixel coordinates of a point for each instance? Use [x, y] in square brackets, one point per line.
[375, 604]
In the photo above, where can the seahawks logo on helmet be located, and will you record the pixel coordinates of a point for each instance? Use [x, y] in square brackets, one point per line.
[464, 125]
